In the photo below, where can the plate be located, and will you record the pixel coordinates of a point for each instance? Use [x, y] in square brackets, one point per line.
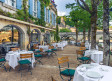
[93, 74]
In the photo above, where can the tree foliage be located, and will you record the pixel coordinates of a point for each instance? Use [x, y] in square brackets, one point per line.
[65, 30]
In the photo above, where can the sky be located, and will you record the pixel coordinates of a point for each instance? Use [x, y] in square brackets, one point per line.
[61, 6]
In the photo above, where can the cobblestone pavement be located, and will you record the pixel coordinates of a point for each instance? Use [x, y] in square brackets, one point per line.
[42, 72]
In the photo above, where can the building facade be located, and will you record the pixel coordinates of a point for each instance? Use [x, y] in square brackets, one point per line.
[15, 32]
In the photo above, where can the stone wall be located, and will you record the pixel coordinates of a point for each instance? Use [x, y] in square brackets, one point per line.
[23, 28]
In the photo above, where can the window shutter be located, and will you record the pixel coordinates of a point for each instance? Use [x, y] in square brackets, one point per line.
[45, 14]
[49, 16]
[2, 1]
[30, 7]
[52, 19]
[55, 20]
[39, 9]
[19, 4]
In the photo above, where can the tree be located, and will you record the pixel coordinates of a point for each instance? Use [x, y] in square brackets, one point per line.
[65, 30]
[81, 19]
[57, 38]
[93, 11]
[106, 35]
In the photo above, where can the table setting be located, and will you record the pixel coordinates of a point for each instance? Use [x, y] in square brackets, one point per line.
[14, 56]
[93, 72]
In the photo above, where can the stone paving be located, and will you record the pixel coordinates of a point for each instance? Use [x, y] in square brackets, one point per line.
[42, 72]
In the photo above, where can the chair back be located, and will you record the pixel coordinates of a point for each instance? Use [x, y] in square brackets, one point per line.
[63, 60]
[56, 45]
[79, 53]
[28, 55]
[14, 49]
[41, 49]
[82, 44]
[82, 48]
[35, 46]
[51, 47]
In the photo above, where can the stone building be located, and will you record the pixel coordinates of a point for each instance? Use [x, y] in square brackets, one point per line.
[14, 32]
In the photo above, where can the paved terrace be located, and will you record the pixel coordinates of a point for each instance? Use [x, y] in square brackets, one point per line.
[42, 72]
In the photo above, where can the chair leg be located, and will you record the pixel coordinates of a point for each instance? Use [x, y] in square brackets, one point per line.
[29, 68]
[55, 53]
[5, 69]
[2, 66]
[38, 62]
[10, 69]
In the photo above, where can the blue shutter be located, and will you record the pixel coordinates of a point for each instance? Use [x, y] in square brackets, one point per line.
[30, 7]
[2, 1]
[55, 20]
[39, 9]
[45, 14]
[19, 4]
[52, 19]
[49, 16]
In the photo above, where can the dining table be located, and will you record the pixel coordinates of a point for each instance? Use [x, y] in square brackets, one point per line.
[96, 56]
[61, 44]
[93, 72]
[14, 56]
[45, 47]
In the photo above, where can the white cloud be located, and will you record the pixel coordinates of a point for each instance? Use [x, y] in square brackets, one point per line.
[61, 13]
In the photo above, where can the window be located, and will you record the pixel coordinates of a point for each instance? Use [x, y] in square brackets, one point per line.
[9, 35]
[35, 8]
[11, 3]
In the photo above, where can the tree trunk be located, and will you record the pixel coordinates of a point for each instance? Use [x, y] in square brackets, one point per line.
[89, 31]
[106, 34]
[84, 35]
[76, 35]
[93, 25]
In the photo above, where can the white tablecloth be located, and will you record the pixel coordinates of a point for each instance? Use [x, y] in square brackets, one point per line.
[45, 48]
[61, 44]
[87, 45]
[96, 55]
[72, 42]
[12, 58]
[81, 76]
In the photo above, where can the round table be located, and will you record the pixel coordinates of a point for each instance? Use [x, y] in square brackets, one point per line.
[13, 57]
[96, 56]
[105, 71]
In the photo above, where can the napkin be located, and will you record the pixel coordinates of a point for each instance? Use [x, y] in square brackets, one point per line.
[83, 69]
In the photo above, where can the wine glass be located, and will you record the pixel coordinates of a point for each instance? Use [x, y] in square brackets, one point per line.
[101, 63]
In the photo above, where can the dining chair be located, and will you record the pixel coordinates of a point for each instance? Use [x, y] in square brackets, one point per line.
[82, 44]
[2, 63]
[82, 48]
[53, 50]
[38, 56]
[24, 61]
[67, 71]
[50, 52]
[81, 58]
